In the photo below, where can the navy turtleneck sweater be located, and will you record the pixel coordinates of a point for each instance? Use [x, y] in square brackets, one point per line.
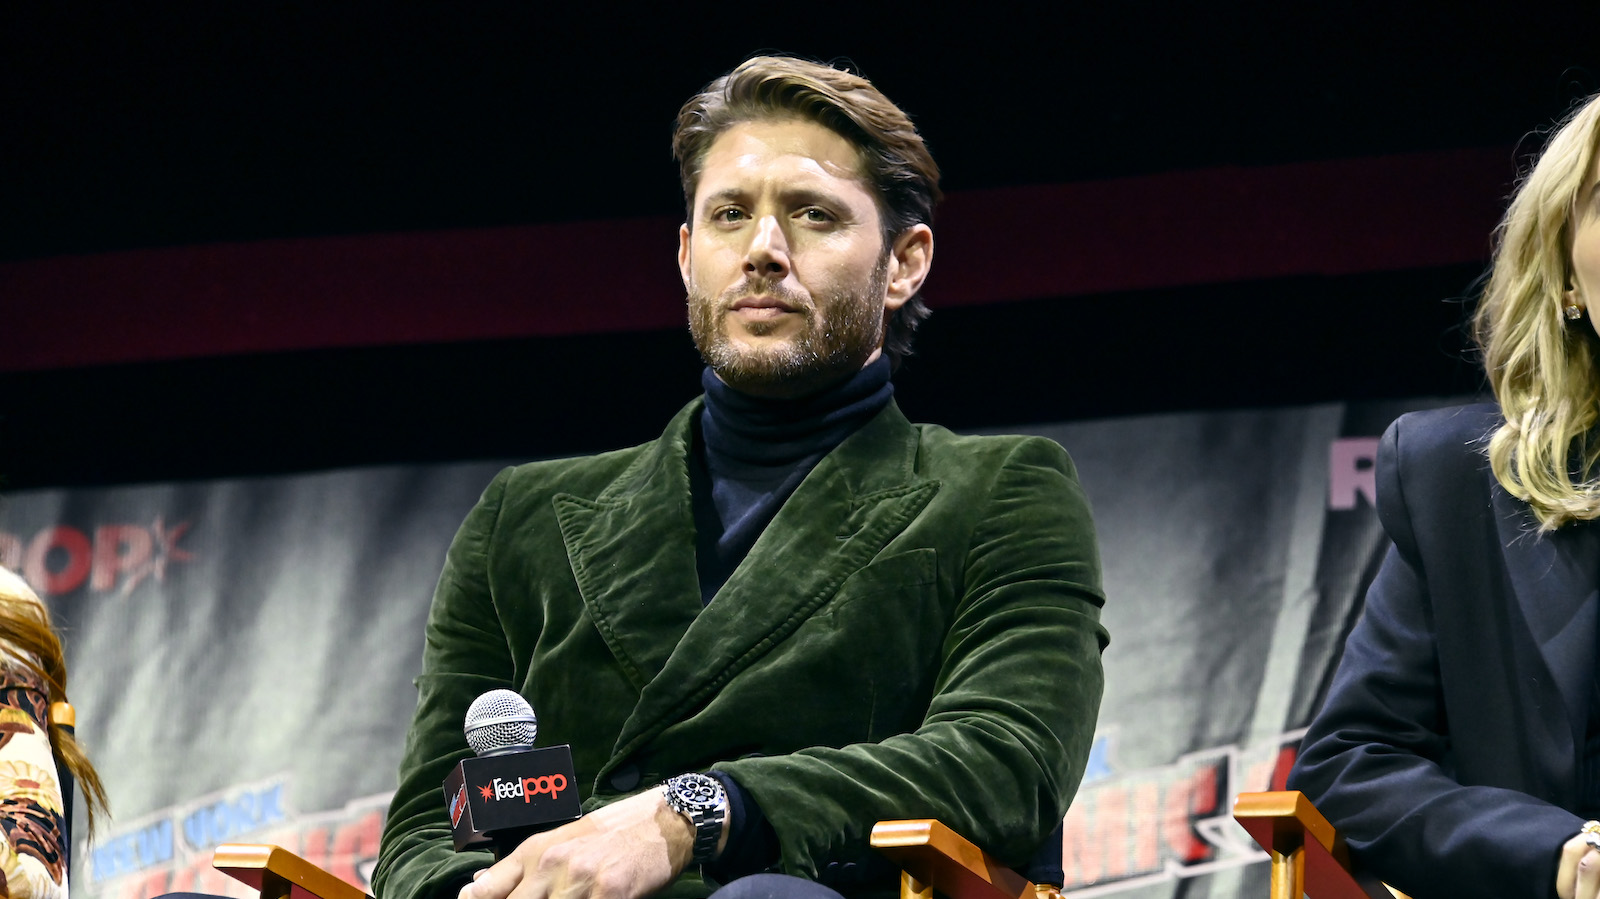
[753, 452]
[750, 455]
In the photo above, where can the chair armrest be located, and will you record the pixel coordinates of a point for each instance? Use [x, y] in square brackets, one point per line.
[1308, 855]
[939, 858]
[279, 873]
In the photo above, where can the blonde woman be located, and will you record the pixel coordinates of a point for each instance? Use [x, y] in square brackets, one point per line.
[1459, 746]
[33, 674]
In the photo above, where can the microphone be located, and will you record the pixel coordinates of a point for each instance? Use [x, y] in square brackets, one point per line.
[498, 722]
[509, 791]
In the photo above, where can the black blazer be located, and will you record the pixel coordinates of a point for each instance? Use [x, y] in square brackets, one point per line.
[1448, 748]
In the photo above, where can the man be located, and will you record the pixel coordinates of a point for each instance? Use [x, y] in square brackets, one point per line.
[794, 604]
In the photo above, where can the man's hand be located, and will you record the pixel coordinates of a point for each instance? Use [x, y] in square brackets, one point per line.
[1578, 875]
[625, 850]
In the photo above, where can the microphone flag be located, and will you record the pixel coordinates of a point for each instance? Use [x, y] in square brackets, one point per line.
[504, 799]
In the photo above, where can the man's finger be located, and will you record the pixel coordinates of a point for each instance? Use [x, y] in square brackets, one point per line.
[542, 873]
[496, 882]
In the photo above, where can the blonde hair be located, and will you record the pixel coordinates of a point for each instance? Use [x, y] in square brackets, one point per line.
[1541, 366]
[25, 629]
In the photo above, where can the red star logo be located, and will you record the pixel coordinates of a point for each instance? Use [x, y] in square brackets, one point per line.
[486, 791]
[167, 550]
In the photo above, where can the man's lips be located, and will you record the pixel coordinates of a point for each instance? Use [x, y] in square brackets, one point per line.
[761, 303]
[760, 308]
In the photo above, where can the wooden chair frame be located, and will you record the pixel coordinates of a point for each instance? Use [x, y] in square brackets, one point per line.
[1308, 855]
[932, 857]
[279, 873]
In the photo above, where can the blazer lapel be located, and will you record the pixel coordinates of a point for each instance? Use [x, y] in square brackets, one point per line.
[857, 499]
[632, 553]
[1556, 577]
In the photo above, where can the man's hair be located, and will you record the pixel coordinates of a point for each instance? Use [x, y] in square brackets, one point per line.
[904, 177]
[1542, 366]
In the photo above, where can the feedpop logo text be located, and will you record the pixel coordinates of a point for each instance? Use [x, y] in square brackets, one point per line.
[527, 787]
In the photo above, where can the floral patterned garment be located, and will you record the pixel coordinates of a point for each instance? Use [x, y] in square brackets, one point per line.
[31, 863]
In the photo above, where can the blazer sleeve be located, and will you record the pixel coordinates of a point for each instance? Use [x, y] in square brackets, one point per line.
[1376, 759]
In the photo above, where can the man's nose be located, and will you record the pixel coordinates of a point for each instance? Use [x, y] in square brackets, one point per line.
[768, 254]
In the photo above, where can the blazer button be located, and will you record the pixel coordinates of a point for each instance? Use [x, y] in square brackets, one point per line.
[625, 778]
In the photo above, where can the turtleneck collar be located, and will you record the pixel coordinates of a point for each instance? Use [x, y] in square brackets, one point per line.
[747, 430]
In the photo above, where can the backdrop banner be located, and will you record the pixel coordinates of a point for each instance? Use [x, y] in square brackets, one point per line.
[242, 651]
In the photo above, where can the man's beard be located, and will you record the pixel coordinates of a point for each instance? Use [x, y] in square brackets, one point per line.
[814, 358]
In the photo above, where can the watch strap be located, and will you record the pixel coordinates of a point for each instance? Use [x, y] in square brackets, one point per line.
[704, 802]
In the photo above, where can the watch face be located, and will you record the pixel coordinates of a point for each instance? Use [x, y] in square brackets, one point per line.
[696, 790]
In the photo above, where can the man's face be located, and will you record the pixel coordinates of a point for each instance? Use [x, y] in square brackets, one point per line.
[785, 268]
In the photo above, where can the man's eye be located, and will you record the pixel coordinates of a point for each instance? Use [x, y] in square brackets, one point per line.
[813, 214]
[728, 214]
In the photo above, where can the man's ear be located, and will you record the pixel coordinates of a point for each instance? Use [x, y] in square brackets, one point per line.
[683, 253]
[910, 259]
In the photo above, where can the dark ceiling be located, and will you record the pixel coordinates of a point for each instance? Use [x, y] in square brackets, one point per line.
[133, 125]
[145, 125]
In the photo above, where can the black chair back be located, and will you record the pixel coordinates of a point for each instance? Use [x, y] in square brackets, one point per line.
[62, 716]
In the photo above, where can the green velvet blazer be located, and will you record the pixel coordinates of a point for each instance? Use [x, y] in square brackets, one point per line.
[916, 634]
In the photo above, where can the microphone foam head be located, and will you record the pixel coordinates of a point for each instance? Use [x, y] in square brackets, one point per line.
[500, 721]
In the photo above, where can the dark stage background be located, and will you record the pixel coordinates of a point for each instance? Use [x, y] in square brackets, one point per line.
[210, 126]
[275, 280]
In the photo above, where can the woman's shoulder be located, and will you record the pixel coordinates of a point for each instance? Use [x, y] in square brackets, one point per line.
[1433, 474]
[1450, 437]
[1449, 426]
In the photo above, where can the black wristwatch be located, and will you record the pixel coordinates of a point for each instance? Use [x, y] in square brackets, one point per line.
[704, 802]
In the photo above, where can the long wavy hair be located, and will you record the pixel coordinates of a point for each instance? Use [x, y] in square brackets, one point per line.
[25, 629]
[1540, 364]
